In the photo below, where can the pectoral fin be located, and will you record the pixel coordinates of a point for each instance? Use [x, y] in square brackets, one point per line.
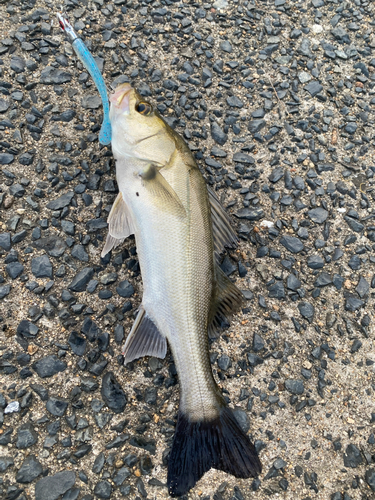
[162, 193]
[119, 225]
[144, 339]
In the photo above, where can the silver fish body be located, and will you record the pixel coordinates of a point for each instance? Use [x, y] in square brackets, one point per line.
[178, 226]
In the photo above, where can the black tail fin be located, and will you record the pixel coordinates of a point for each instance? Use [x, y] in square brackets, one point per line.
[198, 446]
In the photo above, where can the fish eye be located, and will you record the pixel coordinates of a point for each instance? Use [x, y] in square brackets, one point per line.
[144, 108]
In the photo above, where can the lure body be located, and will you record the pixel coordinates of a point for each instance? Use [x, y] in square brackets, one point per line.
[84, 55]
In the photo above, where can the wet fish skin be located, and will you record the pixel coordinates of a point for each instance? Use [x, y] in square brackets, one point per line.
[178, 227]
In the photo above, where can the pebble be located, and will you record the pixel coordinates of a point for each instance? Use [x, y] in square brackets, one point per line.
[41, 267]
[112, 393]
[30, 469]
[217, 134]
[49, 366]
[292, 244]
[294, 386]
[81, 280]
[51, 487]
[26, 436]
[352, 457]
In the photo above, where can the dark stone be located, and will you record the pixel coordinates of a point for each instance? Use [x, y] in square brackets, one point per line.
[352, 456]
[5, 462]
[226, 46]
[313, 88]
[354, 225]
[57, 406]
[61, 202]
[66, 116]
[224, 362]
[292, 244]
[307, 310]
[362, 288]
[5, 242]
[217, 134]
[90, 329]
[30, 469]
[250, 213]
[276, 291]
[258, 343]
[14, 269]
[91, 101]
[243, 158]
[51, 487]
[27, 329]
[256, 125]
[318, 215]
[49, 366]
[4, 291]
[51, 76]
[112, 393]
[323, 279]
[352, 303]
[276, 175]
[41, 267]
[370, 478]
[121, 475]
[125, 289]
[103, 489]
[6, 158]
[81, 279]
[77, 343]
[26, 436]
[315, 262]
[242, 419]
[294, 386]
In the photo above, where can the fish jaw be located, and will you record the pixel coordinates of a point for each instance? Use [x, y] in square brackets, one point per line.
[120, 98]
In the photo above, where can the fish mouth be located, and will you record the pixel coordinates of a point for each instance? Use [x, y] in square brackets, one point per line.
[120, 98]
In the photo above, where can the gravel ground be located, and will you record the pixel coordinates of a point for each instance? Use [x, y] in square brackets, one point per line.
[276, 99]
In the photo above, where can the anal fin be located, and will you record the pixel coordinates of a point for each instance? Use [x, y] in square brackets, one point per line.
[119, 225]
[144, 339]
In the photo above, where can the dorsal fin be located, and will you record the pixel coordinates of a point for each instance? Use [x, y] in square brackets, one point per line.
[226, 299]
[144, 339]
[119, 225]
[223, 233]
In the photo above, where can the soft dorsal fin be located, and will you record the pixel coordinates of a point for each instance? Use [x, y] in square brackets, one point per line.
[144, 339]
[161, 192]
[226, 299]
[119, 225]
[223, 233]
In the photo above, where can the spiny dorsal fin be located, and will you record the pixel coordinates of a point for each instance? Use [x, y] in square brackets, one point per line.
[144, 339]
[223, 234]
[226, 299]
[119, 225]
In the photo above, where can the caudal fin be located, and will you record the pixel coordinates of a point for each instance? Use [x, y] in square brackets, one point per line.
[199, 446]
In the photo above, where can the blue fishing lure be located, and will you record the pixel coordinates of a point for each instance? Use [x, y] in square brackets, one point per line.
[84, 55]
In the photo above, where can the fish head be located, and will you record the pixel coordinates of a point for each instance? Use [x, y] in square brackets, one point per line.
[138, 130]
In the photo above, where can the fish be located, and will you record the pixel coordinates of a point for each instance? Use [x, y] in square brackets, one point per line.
[180, 230]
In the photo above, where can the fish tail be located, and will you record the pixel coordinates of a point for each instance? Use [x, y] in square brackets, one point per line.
[200, 445]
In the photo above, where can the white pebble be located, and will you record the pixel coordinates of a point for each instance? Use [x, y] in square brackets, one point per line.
[12, 407]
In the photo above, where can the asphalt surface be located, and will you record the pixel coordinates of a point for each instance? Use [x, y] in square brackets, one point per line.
[276, 100]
